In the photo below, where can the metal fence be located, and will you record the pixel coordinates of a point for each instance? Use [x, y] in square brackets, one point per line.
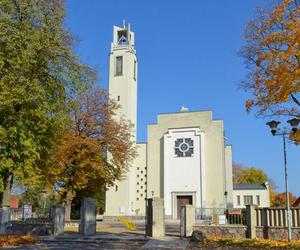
[220, 216]
[27, 214]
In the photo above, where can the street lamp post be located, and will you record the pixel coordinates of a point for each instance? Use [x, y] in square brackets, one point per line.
[284, 133]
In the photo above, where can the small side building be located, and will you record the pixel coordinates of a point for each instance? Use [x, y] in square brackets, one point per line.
[257, 194]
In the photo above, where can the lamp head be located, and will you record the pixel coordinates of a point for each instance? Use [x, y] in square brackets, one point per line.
[273, 126]
[294, 124]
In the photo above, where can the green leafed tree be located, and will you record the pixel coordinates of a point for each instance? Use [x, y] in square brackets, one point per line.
[36, 66]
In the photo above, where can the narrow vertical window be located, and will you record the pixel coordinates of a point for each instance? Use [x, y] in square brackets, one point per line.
[116, 188]
[118, 98]
[238, 200]
[248, 199]
[134, 70]
[119, 65]
[258, 200]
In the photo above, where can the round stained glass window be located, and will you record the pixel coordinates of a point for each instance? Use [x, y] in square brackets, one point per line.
[184, 147]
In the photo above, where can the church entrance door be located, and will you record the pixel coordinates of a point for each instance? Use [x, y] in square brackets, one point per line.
[183, 200]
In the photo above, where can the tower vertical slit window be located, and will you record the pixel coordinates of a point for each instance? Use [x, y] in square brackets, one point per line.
[119, 65]
[134, 70]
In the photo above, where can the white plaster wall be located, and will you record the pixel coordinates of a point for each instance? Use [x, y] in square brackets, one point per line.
[121, 200]
[228, 172]
[212, 153]
[139, 190]
[263, 193]
[181, 174]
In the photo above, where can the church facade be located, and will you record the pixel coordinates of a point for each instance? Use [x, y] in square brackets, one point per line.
[185, 160]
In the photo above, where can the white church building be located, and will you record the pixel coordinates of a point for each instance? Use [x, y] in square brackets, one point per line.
[185, 160]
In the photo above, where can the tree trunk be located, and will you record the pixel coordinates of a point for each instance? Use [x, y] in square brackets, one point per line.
[5, 195]
[68, 204]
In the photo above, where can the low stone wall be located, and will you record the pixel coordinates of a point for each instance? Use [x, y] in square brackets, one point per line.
[21, 228]
[277, 233]
[222, 230]
[115, 218]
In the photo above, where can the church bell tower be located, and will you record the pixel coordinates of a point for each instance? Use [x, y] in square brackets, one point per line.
[123, 88]
[123, 73]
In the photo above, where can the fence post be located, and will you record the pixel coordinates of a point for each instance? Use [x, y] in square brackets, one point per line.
[155, 213]
[58, 219]
[88, 217]
[4, 218]
[187, 220]
[251, 221]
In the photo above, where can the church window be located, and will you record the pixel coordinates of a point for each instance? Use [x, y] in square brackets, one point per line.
[184, 147]
[142, 179]
[137, 183]
[119, 65]
[142, 195]
[238, 200]
[141, 172]
[142, 187]
[116, 188]
[137, 176]
[137, 168]
[137, 191]
[137, 199]
[118, 98]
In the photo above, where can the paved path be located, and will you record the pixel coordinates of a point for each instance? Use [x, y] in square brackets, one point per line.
[91, 243]
[85, 245]
[111, 236]
[167, 243]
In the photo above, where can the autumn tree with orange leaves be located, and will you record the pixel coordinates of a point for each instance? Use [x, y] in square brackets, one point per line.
[279, 199]
[272, 55]
[80, 162]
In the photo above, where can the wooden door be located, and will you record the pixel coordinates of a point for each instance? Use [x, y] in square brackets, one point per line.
[182, 201]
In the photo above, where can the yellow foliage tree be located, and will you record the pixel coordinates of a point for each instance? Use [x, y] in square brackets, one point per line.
[272, 54]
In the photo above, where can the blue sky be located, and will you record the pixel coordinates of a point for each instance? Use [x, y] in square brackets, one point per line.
[187, 55]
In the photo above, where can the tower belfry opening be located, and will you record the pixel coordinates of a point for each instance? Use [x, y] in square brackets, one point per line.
[122, 37]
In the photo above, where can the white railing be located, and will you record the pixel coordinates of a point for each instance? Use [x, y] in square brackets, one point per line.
[277, 217]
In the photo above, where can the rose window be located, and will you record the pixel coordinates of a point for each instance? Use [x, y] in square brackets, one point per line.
[184, 147]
